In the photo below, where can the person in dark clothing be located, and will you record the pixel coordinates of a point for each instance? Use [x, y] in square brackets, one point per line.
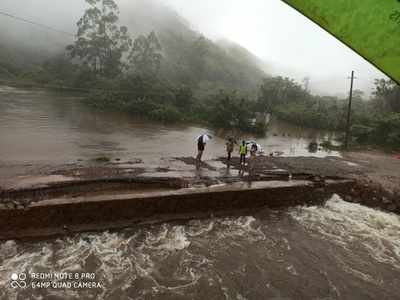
[253, 150]
[201, 144]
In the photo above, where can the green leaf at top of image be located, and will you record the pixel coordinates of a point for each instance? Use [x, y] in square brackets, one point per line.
[370, 27]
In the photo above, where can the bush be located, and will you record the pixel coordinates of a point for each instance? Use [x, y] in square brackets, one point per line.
[362, 133]
[383, 130]
[166, 113]
[227, 111]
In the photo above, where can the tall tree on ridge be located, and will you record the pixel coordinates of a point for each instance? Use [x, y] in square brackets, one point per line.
[145, 56]
[100, 42]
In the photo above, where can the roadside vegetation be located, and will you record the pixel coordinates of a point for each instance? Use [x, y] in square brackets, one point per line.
[375, 121]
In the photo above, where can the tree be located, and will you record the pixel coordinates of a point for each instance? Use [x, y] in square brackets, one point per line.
[197, 55]
[306, 83]
[145, 56]
[228, 110]
[100, 43]
[387, 96]
[275, 91]
[184, 98]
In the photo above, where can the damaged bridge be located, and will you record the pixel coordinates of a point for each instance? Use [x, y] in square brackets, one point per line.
[87, 205]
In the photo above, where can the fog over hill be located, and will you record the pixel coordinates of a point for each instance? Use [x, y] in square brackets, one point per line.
[245, 41]
[289, 43]
[227, 64]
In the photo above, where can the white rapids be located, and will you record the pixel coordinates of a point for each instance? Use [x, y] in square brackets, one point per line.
[346, 250]
[343, 223]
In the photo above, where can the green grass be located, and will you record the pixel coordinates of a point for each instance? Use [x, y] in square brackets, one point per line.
[364, 25]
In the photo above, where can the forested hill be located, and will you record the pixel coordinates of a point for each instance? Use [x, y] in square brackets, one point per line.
[189, 58]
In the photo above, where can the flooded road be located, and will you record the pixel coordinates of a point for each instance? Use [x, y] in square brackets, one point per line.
[339, 251]
[39, 126]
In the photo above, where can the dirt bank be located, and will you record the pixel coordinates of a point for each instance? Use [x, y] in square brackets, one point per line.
[377, 175]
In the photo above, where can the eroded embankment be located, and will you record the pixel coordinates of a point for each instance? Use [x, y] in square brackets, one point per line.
[376, 177]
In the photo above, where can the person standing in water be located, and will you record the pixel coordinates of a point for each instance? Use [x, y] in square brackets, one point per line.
[253, 154]
[201, 144]
[230, 145]
[243, 152]
[253, 150]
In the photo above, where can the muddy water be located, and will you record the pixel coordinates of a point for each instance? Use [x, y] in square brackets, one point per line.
[39, 126]
[339, 251]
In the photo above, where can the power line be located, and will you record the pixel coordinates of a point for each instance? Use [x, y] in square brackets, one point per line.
[33, 84]
[56, 86]
[36, 24]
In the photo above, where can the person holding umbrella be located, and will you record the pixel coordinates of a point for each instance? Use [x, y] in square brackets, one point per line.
[201, 144]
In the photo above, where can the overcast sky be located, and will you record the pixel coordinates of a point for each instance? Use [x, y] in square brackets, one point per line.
[290, 44]
[285, 39]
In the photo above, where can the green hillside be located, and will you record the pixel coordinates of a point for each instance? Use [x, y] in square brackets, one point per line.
[190, 57]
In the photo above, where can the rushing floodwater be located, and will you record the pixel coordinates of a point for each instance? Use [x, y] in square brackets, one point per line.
[339, 251]
[43, 126]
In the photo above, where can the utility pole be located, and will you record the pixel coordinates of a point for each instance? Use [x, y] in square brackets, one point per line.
[346, 142]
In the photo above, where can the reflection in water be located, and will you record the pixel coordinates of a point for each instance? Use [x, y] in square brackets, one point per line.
[43, 126]
[339, 251]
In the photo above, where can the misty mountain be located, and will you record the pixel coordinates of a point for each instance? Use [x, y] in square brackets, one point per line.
[189, 57]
